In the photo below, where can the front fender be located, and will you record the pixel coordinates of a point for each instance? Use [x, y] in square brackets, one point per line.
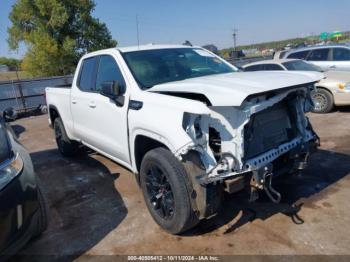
[160, 118]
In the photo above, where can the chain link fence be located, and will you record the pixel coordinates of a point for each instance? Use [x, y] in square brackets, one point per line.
[26, 95]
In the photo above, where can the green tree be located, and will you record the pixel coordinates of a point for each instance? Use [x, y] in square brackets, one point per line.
[56, 33]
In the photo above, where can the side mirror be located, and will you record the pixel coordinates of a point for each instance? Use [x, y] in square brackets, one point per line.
[110, 89]
[114, 91]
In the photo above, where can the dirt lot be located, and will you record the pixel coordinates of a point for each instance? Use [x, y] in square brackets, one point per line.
[97, 208]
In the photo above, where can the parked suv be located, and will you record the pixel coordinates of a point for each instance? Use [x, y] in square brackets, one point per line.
[330, 57]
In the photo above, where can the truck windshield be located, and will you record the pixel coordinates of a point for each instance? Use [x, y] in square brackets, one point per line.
[153, 67]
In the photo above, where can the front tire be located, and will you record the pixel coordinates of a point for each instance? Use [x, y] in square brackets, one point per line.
[167, 190]
[66, 146]
[323, 101]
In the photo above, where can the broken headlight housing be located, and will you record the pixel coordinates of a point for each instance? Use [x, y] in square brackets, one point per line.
[10, 164]
[192, 125]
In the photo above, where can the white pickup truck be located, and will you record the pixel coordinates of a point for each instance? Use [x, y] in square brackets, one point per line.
[187, 123]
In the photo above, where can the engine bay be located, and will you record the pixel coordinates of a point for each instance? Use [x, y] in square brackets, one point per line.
[233, 141]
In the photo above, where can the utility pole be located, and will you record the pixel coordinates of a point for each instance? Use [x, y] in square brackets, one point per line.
[137, 30]
[235, 31]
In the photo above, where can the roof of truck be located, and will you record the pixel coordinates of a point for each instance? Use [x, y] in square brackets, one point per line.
[149, 47]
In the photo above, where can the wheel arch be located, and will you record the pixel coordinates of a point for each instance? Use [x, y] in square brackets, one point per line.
[53, 113]
[143, 142]
[325, 88]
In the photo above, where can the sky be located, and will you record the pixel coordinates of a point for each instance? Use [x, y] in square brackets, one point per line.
[207, 21]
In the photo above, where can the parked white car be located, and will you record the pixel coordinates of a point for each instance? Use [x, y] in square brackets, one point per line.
[328, 57]
[333, 90]
[187, 123]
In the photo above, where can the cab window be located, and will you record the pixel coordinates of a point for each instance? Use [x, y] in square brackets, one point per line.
[341, 54]
[87, 73]
[253, 68]
[272, 67]
[108, 70]
[299, 55]
[319, 55]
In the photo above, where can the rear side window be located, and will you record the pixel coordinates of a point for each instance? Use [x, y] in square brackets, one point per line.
[299, 55]
[341, 54]
[319, 55]
[272, 67]
[87, 74]
[108, 70]
[253, 68]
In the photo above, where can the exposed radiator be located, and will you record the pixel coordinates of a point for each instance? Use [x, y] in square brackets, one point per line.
[268, 129]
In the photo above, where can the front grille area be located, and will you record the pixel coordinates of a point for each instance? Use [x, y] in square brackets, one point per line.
[268, 129]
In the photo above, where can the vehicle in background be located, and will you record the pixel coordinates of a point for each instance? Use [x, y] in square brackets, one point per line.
[187, 123]
[23, 209]
[281, 65]
[279, 54]
[328, 57]
[333, 90]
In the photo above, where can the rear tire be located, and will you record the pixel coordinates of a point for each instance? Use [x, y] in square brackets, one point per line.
[66, 146]
[323, 100]
[167, 191]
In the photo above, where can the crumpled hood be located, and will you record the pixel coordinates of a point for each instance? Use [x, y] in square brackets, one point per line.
[233, 88]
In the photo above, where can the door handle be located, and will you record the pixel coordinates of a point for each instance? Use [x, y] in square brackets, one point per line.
[92, 104]
[74, 101]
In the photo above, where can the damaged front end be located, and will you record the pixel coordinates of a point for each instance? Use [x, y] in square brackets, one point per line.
[268, 135]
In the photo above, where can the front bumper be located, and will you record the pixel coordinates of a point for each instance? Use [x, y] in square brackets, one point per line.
[296, 153]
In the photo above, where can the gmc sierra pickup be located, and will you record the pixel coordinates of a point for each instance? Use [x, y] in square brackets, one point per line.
[187, 123]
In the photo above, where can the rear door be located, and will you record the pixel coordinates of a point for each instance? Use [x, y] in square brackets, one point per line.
[99, 122]
[82, 94]
[321, 57]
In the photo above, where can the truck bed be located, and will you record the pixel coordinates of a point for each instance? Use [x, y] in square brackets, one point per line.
[60, 96]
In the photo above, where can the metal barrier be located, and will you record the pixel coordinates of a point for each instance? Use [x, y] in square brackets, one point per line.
[26, 95]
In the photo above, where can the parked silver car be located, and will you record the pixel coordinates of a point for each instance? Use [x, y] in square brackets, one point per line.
[332, 91]
[329, 57]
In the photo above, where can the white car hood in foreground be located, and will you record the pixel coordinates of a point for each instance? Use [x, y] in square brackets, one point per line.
[233, 88]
